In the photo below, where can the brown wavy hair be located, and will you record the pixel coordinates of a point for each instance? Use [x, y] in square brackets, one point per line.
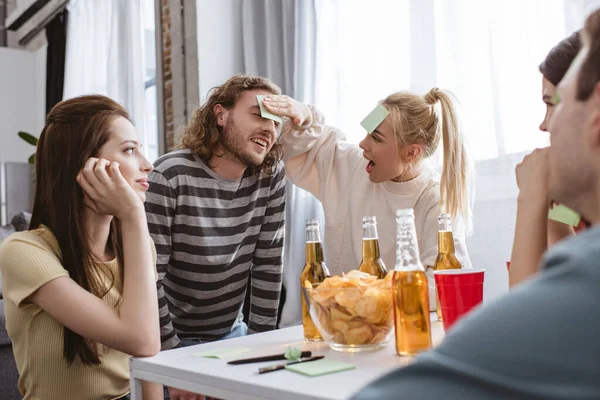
[75, 130]
[203, 135]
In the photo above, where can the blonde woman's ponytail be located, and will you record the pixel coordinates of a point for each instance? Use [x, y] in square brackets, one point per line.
[416, 120]
[432, 96]
[457, 169]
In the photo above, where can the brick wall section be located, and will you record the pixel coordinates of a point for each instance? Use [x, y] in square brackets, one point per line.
[3, 15]
[167, 75]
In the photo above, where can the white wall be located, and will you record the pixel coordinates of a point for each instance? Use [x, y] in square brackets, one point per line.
[219, 27]
[494, 216]
[491, 244]
[22, 100]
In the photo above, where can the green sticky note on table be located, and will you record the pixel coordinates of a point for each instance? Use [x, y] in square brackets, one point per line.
[564, 214]
[375, 117]
[319, 367]
[263, 111]
[221, 353]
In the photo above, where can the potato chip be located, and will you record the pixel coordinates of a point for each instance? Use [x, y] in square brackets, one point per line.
[339, 338]
[337, 314]
[389, 320]
[340, 325]
[322, 295]
[348, 297]
[366, 305]
[358, 323]
[379, 337]
[357, 336]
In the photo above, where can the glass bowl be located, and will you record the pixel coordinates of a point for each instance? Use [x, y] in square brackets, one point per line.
[352, 314]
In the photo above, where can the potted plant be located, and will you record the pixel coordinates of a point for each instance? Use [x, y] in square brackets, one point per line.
[32, 140]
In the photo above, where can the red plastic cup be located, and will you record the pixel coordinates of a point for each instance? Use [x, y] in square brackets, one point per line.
[459, 291]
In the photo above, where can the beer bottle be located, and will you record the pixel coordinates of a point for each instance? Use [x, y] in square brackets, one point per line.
[371, 259]
[315, 271]
[446, 258]
[410, 290]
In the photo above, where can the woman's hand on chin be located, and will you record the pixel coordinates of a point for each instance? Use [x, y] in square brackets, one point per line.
[106, 191]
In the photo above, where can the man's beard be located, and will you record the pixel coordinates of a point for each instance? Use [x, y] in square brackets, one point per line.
[236, 147]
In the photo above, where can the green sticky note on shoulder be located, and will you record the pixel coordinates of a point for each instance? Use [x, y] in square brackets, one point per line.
[375, 117]
[221, 353]
[319, 367]
[263, 111]
[564, 214]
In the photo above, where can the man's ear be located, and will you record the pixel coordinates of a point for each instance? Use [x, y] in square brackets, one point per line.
[594, 129]
[221, 114]
[594, 126]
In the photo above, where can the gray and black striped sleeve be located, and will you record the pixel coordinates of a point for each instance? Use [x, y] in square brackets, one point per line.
[161, 203]
[267, 262]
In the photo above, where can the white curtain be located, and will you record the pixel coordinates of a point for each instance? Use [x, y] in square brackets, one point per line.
[485, 51]
[105, 54]
[279, 43]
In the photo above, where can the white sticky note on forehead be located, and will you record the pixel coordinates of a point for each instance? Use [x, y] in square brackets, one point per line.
[375, 117]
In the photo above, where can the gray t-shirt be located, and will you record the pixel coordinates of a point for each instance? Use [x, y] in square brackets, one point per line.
[540, 341]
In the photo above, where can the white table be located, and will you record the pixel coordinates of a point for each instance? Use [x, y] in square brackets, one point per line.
[213, 377]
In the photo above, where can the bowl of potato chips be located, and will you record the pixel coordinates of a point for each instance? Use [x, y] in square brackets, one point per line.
[352, 312]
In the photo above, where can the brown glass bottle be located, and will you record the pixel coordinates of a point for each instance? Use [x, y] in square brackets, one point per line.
[446, 258]
[371, 258]
[315, 271]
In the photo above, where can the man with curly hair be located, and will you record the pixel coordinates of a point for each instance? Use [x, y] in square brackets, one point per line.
[215, 210]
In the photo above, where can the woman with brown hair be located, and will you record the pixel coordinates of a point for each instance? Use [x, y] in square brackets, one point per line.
[80, 285]
[534, 232]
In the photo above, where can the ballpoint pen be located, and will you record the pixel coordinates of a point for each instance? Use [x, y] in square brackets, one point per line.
[266, 358]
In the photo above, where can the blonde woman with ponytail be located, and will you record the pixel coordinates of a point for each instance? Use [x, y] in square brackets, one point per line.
[387, 171]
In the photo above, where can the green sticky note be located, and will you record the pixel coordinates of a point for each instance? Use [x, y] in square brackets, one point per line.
[375, 117]
[263, 111]
[319, 367]
[564, 214]
[221, 353]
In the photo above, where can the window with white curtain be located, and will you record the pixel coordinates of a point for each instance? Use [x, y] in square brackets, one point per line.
[150, 95]
[362, 55]
[111, 50]
[486, 52]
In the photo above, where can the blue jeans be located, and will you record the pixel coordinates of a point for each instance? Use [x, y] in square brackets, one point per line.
[241, 329]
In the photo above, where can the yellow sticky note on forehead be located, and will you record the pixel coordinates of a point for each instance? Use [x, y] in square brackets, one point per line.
[375, 117]
[263, 111]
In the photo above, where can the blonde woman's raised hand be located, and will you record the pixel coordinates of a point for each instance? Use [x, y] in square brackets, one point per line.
[106, 191]
[285, 106]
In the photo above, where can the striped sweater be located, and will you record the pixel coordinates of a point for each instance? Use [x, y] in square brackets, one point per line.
[211, 234]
